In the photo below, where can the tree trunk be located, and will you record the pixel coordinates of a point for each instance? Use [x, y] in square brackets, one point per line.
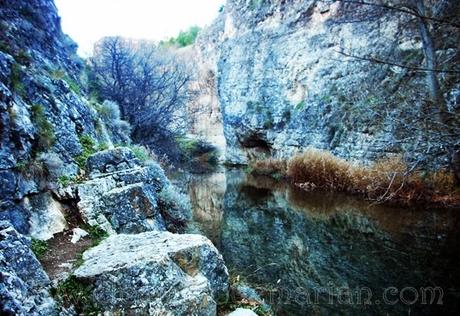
[430, 60]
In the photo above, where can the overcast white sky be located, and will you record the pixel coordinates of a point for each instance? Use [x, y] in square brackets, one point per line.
[86, 21]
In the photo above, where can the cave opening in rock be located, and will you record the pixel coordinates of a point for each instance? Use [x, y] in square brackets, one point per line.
[256, 141]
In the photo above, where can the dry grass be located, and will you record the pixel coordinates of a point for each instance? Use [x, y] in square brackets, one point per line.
[386, 180]
[320, 168]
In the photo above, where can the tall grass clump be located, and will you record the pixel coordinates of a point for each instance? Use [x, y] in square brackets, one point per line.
[386, 180]
[320, 168]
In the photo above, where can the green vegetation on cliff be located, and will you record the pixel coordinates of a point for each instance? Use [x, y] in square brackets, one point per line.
[185, 38]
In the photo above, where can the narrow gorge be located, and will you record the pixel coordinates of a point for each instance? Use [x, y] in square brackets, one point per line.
[293, 157]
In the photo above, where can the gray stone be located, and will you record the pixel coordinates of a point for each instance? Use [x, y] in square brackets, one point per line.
[132, 209]
[17, 215]
[127, 187]
[24, 285]
[242, 312]
[112, 160]
[46, 216]
[7, 185]
[155, 272]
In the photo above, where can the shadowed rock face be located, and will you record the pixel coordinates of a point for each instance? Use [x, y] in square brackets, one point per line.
[156, 272]
[112, 160]
[39, 77]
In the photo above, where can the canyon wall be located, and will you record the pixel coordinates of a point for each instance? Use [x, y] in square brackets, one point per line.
[283, 83]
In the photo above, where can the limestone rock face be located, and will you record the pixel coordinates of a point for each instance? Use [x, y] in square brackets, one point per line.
[131, 199]
[155, 272]
[43, 107]
[282, 84]
[23, 283]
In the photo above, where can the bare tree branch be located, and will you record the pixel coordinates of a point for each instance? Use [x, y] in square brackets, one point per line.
[391, 63]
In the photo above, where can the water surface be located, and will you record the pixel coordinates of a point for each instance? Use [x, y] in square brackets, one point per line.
[329, 254]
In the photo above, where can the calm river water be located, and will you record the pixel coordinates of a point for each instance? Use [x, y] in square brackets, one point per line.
[329, 254]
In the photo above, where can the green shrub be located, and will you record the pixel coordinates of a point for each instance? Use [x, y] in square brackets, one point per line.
[187, 145]
[23, 58]
[141, 152]
[102, 146]
[39, 247]
[197, 151]
[66, 180]
[72, 292]
[45, 130]
[88, 145]
[109, 111]
[171, 198]
[60, 74]
[21, 166]
[185, 38]
[268, 124]
[33, 169]
[96, 234]
[15, 78]
[300, 106]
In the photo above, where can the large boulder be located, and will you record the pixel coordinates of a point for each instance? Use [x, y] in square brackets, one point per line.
[23, 283]
[128, 187]
[133, 209]
[124, 197]
[155, 273]
[46, 216]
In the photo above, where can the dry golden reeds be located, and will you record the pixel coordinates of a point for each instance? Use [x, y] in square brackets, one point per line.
[385, 180]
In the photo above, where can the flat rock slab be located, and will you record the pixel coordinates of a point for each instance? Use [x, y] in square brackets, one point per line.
[155, 272]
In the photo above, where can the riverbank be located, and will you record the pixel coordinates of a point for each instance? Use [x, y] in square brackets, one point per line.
[388, 180]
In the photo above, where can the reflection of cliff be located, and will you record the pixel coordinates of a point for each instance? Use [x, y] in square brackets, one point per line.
[207, 196]
[276, 240]
[399, 222]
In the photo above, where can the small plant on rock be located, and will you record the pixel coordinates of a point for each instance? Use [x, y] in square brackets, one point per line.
[72, 292]
[39, 247]
[89, 147]
[45, 131]
[15, 78]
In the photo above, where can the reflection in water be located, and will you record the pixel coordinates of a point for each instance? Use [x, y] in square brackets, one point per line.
[323, 253]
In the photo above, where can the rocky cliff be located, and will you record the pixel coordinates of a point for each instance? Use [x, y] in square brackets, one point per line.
[42, 103]
[64, 187]
[283, 82]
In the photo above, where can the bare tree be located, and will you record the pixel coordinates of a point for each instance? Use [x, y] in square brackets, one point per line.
[148, 82]
[113, 65]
